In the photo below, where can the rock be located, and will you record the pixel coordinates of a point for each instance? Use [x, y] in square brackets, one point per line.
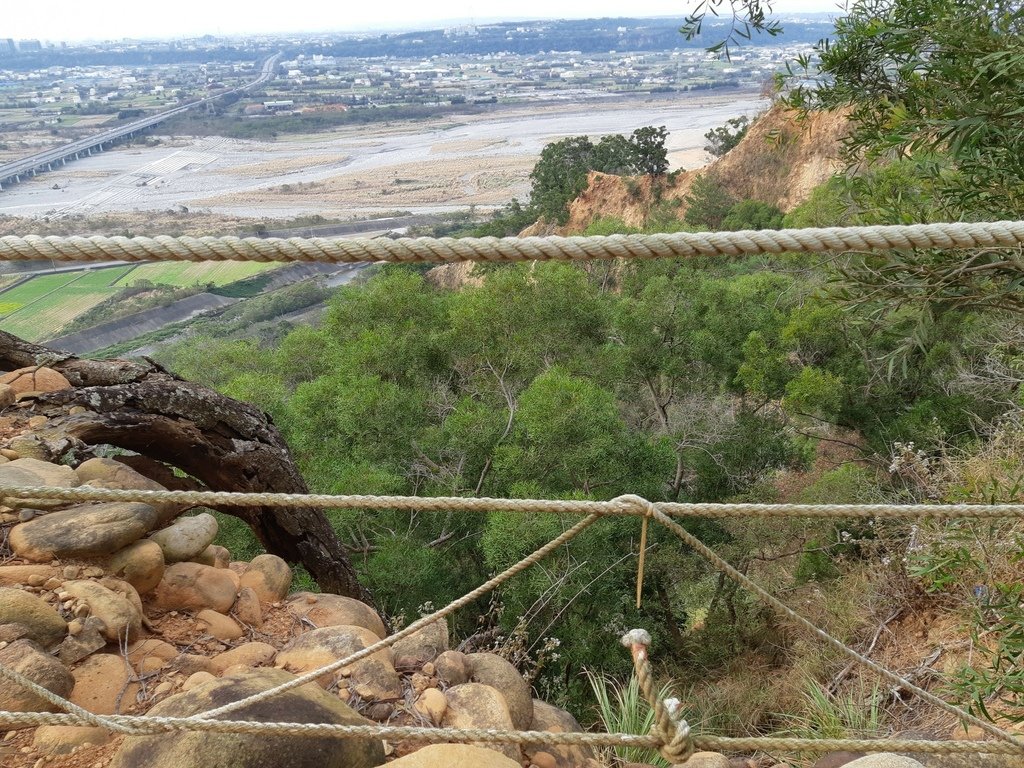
[269, 577]
[247, 607]
[24, 574]
[422, 646]
[708, 760]
[191, 586]
[190, 663]
[452, 668]
[884, 760]
[29, 446]
[220, 626]
[432, 705]
[372, 679]
[549, 718]
[35, 379]
[62, 739]
[82, 531]
[34, 472]
[102, 685]
[221, 556]
[122, 620]
[837, 759]
[335, 610]
[196, 679]
[141, 564]
[110, 473]
[44, 624]
[6, 395]
[249, 654]
[27, 658]
[186, 537]
[543, 760]
[491, 669]
[150, 648]
[307, 704]
[454, 756]
[88, 639]
[474, 705]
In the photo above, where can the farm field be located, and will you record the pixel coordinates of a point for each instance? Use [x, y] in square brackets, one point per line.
[39, 308]
[185, 274]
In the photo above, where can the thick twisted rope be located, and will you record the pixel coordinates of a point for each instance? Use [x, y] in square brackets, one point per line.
[672, 731]
[747, 583]
[614, 507]
[149, 724]
[448, 250]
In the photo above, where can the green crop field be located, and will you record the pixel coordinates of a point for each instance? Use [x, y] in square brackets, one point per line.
[39, 308]
[184, 274]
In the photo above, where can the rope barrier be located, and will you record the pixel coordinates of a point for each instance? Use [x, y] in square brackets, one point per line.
[671, 735]
[724, 567]
[614, 507]
[447, 250]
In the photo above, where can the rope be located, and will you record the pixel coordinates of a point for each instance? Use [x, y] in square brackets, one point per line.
[672, 732]
[615, 507]
[146, 724]
[744, 581]
[448, 250]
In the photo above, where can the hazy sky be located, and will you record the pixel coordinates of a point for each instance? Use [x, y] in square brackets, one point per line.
[113, 19]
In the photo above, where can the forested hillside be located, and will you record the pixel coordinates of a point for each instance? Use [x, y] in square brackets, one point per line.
[892, 377]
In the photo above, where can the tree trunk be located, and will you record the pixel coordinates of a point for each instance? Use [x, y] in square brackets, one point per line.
[225, 444]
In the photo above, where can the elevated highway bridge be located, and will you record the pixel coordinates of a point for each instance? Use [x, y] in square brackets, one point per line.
[17, 170]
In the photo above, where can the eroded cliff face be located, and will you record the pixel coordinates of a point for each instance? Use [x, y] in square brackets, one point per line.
[779, 162]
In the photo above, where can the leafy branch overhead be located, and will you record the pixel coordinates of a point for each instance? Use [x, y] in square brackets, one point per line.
[745, 18]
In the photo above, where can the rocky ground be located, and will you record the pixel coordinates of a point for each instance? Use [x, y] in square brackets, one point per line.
[131, 608]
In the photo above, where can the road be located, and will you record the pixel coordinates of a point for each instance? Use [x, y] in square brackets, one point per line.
[46, 160]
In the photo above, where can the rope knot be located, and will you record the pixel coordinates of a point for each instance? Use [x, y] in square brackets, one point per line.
[644, 507]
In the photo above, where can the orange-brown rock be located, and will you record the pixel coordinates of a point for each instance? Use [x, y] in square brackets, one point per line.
[35, 379]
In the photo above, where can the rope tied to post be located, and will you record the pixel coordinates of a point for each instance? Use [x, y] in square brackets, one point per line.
[669, 728]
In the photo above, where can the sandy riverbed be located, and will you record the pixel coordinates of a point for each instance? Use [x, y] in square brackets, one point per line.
[423, 167]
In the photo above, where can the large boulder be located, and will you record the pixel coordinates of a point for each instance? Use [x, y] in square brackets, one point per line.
[27, 658]
[34, 472]
[191, 586]
[371, 679]
[186, 537]
[122, 619]
[54, 740]
[197, 749]
[103, 686]
[474, 705]
[43, 624]
[454, 756]
[422, 646]
[491, 669]
[35, 379]
[110, 473]
[549, 718]
[15, 575]
[141, 564]
[269, 577]
[328, 610]
[95, 530]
